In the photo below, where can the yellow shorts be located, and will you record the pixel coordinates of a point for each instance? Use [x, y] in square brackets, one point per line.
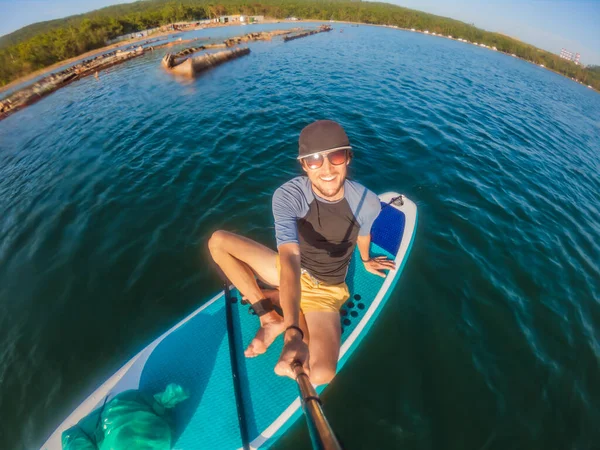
[318, 296]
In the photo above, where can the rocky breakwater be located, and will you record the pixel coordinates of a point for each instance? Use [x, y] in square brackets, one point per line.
[178, 63]
[191, 67]
[321, 29]
[259, 36]
[51, 83]
[181, 64]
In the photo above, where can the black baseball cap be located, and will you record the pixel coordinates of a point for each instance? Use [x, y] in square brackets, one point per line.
[322, 136]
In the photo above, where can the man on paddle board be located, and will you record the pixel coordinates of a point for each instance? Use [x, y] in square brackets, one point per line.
[319, 219]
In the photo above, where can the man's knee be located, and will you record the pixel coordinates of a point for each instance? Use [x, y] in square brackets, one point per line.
[320, 374]
[216, 241]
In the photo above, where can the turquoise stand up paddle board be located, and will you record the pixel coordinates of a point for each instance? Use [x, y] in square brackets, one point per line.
[195, 354]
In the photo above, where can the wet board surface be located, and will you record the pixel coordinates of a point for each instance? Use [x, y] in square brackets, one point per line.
[195, 354]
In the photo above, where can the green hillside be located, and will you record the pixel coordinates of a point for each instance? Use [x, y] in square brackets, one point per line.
[45, 43]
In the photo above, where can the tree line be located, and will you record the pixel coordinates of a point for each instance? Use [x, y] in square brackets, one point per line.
[40, 45]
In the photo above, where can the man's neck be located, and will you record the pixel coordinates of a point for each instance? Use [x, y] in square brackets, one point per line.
[336, 198]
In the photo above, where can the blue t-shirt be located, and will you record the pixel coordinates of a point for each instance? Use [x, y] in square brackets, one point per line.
[326, 231]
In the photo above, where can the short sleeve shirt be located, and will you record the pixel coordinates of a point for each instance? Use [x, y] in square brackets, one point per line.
[326, 231]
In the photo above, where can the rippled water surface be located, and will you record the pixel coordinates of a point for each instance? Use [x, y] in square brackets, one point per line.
[110, 188]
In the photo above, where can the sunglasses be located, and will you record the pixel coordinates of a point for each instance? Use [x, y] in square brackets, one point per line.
[336, 158]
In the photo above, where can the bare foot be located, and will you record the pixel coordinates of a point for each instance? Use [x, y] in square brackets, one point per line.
[271, 326]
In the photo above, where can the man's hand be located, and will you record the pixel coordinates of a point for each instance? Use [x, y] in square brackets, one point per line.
[294, 349]
[379, 263]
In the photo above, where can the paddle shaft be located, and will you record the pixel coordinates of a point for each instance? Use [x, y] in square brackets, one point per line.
[239, 402]
[321, 434]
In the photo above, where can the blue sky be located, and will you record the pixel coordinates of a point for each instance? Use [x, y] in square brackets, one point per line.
[550, 25]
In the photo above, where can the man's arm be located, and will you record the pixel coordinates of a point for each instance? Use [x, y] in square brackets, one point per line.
[373, 265]
[294, 349]
[289, 283]
[364, 244]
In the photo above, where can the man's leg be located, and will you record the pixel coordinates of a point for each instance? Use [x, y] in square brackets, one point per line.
[324, 331]
[241, 259]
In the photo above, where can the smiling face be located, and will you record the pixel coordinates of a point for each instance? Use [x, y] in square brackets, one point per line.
[327, 180]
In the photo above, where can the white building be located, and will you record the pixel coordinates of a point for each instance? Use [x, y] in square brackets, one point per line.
[570, 56]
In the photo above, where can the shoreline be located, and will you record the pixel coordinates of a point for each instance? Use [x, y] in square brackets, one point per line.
[464, 41]
[33, 92]
[107, 48]
[49, 69]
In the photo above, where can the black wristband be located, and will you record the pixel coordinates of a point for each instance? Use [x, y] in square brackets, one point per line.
[294, 327]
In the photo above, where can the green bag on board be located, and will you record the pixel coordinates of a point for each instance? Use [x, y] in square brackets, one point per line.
[85, 435]
[131, 420]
